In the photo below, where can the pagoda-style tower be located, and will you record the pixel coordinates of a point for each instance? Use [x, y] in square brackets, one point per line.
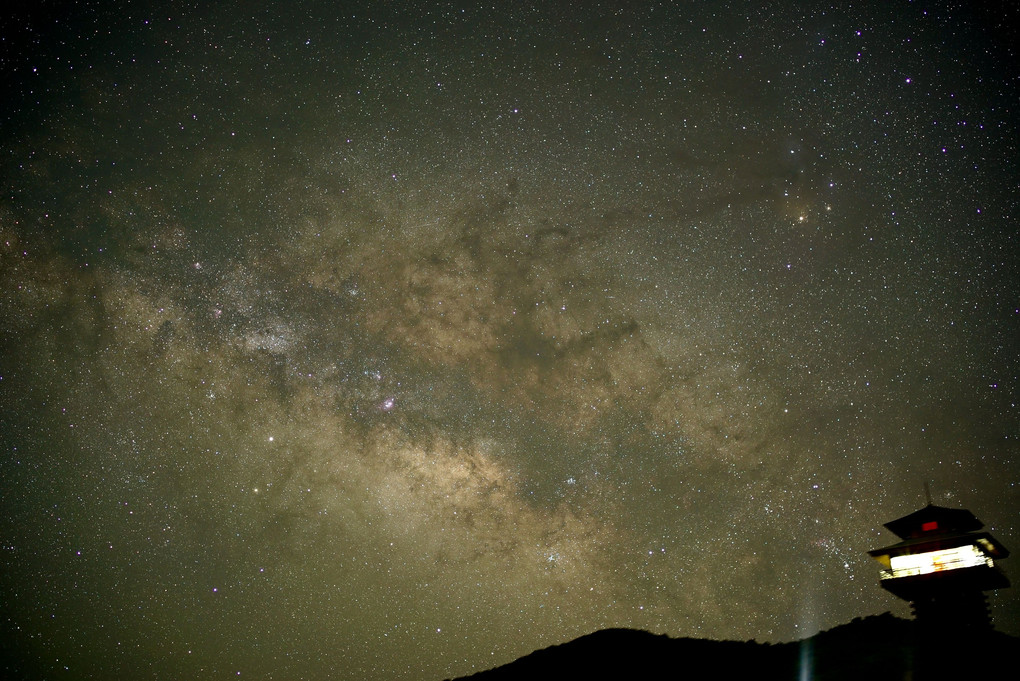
[943, 566]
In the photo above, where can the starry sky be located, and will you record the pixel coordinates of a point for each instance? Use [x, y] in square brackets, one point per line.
[374, 340]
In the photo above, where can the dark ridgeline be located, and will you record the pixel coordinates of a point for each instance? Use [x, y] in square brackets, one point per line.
[877, 647]
[943, 566]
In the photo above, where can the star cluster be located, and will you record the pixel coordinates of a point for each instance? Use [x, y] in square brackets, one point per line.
[397, 340]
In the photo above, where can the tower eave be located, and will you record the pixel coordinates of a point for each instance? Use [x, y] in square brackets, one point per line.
[989, 545]
[946, 519]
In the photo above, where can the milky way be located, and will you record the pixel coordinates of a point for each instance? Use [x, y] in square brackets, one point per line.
[347, 341]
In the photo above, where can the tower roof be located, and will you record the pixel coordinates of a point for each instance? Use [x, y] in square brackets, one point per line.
[934, 520]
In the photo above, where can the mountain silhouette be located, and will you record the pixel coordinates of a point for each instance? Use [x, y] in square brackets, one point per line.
[876, 647]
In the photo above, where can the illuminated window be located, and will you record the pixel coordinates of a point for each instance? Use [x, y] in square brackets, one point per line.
[928, 527]
[936, 561]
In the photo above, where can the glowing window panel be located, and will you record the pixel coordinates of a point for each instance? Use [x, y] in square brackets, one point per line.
[936, 561]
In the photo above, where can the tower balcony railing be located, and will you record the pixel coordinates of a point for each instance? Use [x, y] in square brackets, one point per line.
[929, 563]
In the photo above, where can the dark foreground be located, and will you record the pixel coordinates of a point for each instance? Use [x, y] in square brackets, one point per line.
[878, 647]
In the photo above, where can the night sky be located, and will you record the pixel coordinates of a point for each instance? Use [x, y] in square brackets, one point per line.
[371, 340]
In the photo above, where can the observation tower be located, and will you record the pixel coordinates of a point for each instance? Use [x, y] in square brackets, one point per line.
[943, 566]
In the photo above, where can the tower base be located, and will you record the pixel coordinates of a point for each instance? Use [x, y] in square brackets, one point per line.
[952, 615]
